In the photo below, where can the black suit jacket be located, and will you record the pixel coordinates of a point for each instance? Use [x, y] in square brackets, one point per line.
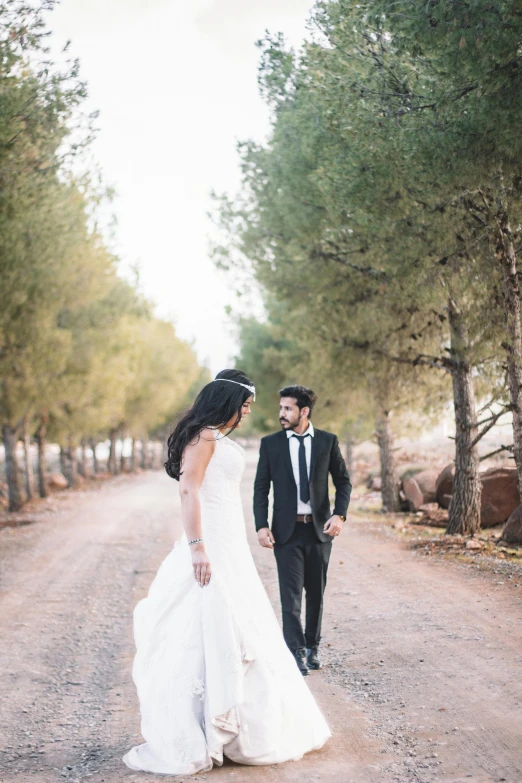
[275, 466]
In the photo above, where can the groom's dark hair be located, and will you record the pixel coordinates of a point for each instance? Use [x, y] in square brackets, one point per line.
[304, 397]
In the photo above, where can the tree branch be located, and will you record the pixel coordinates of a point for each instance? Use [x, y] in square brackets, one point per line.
[488, 404]
[492, 421]
[497, 451]
[440, 362]
[365, 270]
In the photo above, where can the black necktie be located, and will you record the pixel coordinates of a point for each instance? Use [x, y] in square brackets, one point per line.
[304, 489]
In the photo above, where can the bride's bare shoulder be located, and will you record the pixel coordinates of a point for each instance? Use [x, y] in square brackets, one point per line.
[197, 455]
[205, 441]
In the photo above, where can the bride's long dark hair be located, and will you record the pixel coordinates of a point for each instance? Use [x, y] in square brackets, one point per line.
[216, 404]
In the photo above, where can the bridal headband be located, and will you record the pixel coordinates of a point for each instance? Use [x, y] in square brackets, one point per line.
[251, 389]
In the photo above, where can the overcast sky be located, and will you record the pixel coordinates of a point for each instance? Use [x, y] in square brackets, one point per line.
[176, 85]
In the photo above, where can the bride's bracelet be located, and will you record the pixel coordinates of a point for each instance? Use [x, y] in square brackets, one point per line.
[195, 541]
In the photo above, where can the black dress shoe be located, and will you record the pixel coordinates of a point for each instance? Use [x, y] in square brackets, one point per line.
[300, 659]
[312, 658]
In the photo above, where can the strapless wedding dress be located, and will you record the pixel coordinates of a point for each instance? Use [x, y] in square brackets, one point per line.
[213, 673]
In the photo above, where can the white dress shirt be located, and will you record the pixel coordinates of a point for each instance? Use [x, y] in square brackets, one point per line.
[302, 508]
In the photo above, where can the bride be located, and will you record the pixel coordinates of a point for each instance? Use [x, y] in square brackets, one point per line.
[213, 673]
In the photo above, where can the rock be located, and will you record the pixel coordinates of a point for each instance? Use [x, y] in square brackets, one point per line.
[474, 543]
[500, 495]
[57, 481]
[420, 489]
[427, 481]
[444, 486]
[432, 515]
[413, 494]
[374, 484]
[512, 533]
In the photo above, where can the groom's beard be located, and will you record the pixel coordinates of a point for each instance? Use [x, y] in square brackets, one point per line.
[288, 425]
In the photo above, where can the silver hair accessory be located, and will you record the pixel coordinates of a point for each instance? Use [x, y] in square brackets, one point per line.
[251, 389]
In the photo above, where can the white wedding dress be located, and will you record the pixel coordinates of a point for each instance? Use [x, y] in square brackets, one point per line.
[213, 673]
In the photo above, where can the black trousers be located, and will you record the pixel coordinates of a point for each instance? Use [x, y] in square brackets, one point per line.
[302, 564]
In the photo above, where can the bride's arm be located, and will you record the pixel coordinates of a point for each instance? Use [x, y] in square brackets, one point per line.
[195, 461]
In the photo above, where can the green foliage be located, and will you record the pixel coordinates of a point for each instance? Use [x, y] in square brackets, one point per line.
[164, 370]
[79, 346]
[375, 202]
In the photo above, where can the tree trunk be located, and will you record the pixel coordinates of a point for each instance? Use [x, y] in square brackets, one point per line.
[143, 454]
[29, 477]
[122, 458]
[153, 451]
[513, 345]
[133, 461]
[63, 459]
[12, 471]
[83, 468]
[42, 465]
[350, 464]
[464, 510]
[389, 478]
[112, 464]
[69, 463]
[95, 463]
[164, 452]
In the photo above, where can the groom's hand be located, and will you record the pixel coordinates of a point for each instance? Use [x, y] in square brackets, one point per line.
[334, 526]
[265, 537]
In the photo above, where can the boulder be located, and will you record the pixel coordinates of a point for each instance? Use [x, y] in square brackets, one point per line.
[57, 481]
[413, 494]
[444, 486]
[500, 495]
[512, 533]
[420, 489]
[432, 515]
[474, 544]
[427, 481]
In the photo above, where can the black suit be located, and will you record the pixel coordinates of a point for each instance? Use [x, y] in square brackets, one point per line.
[302, 550]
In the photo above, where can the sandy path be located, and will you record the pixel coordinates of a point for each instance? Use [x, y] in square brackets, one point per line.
[423, 670]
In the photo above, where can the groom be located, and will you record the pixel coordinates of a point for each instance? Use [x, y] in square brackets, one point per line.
[297, 462]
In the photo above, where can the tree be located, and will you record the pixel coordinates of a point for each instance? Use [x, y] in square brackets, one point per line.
[474, 114]
[164, 369]
[69, 325]
[37, 102]
[342, 213]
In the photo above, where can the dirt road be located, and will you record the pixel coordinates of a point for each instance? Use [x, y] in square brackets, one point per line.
[423, 674]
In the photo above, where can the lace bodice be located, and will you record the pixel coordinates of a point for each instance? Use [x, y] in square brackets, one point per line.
[224, 471]
[222, 521]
